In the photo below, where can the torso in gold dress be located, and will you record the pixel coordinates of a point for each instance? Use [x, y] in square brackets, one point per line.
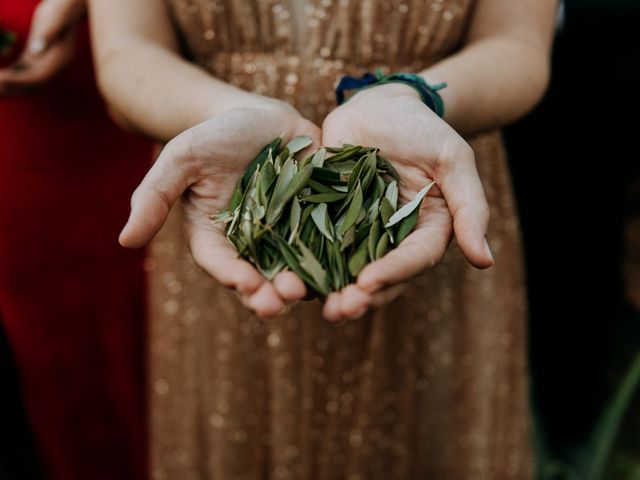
[431, 387]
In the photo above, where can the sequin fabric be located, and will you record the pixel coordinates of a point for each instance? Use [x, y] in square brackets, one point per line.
[431, 387]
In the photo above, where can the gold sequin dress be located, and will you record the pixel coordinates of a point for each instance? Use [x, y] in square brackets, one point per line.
[431, 387]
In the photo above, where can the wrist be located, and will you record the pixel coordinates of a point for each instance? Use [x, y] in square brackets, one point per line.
[428, 93]
[247, 100]
[388, 90]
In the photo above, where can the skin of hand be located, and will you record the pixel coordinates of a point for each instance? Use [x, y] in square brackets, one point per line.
[50, 46]
[202, 166]
[423, 148]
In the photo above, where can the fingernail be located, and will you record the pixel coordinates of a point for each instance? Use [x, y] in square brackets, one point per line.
[37, 45]
[487, 249]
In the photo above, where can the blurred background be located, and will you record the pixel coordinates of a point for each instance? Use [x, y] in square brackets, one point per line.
[576, 171]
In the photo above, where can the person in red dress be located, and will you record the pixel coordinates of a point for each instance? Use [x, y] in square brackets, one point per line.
[71, 299]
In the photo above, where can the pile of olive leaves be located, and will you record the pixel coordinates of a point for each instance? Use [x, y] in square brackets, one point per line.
[323, 217]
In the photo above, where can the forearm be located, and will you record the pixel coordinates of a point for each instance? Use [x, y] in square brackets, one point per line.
[491, 83]
[145, 81]
[158, 93]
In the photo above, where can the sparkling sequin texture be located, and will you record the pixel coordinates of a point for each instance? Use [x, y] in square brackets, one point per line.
[431, 387]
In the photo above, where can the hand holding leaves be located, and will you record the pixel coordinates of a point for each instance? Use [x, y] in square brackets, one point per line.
[342, 212]
[422, 148]
[201, 166]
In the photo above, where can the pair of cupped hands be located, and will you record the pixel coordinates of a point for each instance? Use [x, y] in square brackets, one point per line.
[200, 167]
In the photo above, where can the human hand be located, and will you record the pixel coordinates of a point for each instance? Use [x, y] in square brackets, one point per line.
[423, 148]
[202, 165]
[49, 47]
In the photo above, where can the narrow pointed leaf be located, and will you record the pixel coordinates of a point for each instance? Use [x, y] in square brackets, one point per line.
[294, 221]
[354, 210]
[407, 224]
[392, 194]
[382, 246]
[259, 160]
[318, 158]
[386, 210]
[297, 144]
[359, 259]
[321, 219]
[324, 197]
[374, 236]
[348, 238]
[327, 177]
[407, 209]
[319, 187]
[311, 265]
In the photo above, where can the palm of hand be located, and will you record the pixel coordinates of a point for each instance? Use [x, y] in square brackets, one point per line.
[202, 166]
[422, 148]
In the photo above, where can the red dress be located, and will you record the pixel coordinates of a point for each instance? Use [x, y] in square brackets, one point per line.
[71, 299]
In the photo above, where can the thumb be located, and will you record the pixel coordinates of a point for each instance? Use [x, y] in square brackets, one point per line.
[51, 19]
[462, 190]
[167, 179]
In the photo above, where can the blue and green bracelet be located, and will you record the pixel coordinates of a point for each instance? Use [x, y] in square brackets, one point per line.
[428, 93]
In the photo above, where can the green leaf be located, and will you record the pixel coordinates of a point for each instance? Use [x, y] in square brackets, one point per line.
[392, 194]
[297, 144]
[318, 158]
[354, 210]
[311, 265]
[362, 232]
[270, 272]
[287, 189]
[336, 265]
[321, 219]
[344, 167]
[327, 177]
[409, 207]
[374, 209]
[236, 197]
[294, 219]
[407, 224]
[259, 160]
[222, 217]
[291, 258]
[386, 166]
[267, 176]
[355, 173]
[368, 170]
[324, 197]
[386, 210]
[359, 259]
[378, 187]
[374, 236]
[319, 187]
[382, 246]
[607, 428]
[348, 238]
[306, 213]
[345, 154]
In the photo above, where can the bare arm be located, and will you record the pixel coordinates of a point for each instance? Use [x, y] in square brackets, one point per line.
[503, 69]
[500, 73]
[214, 129]
[142, 76]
